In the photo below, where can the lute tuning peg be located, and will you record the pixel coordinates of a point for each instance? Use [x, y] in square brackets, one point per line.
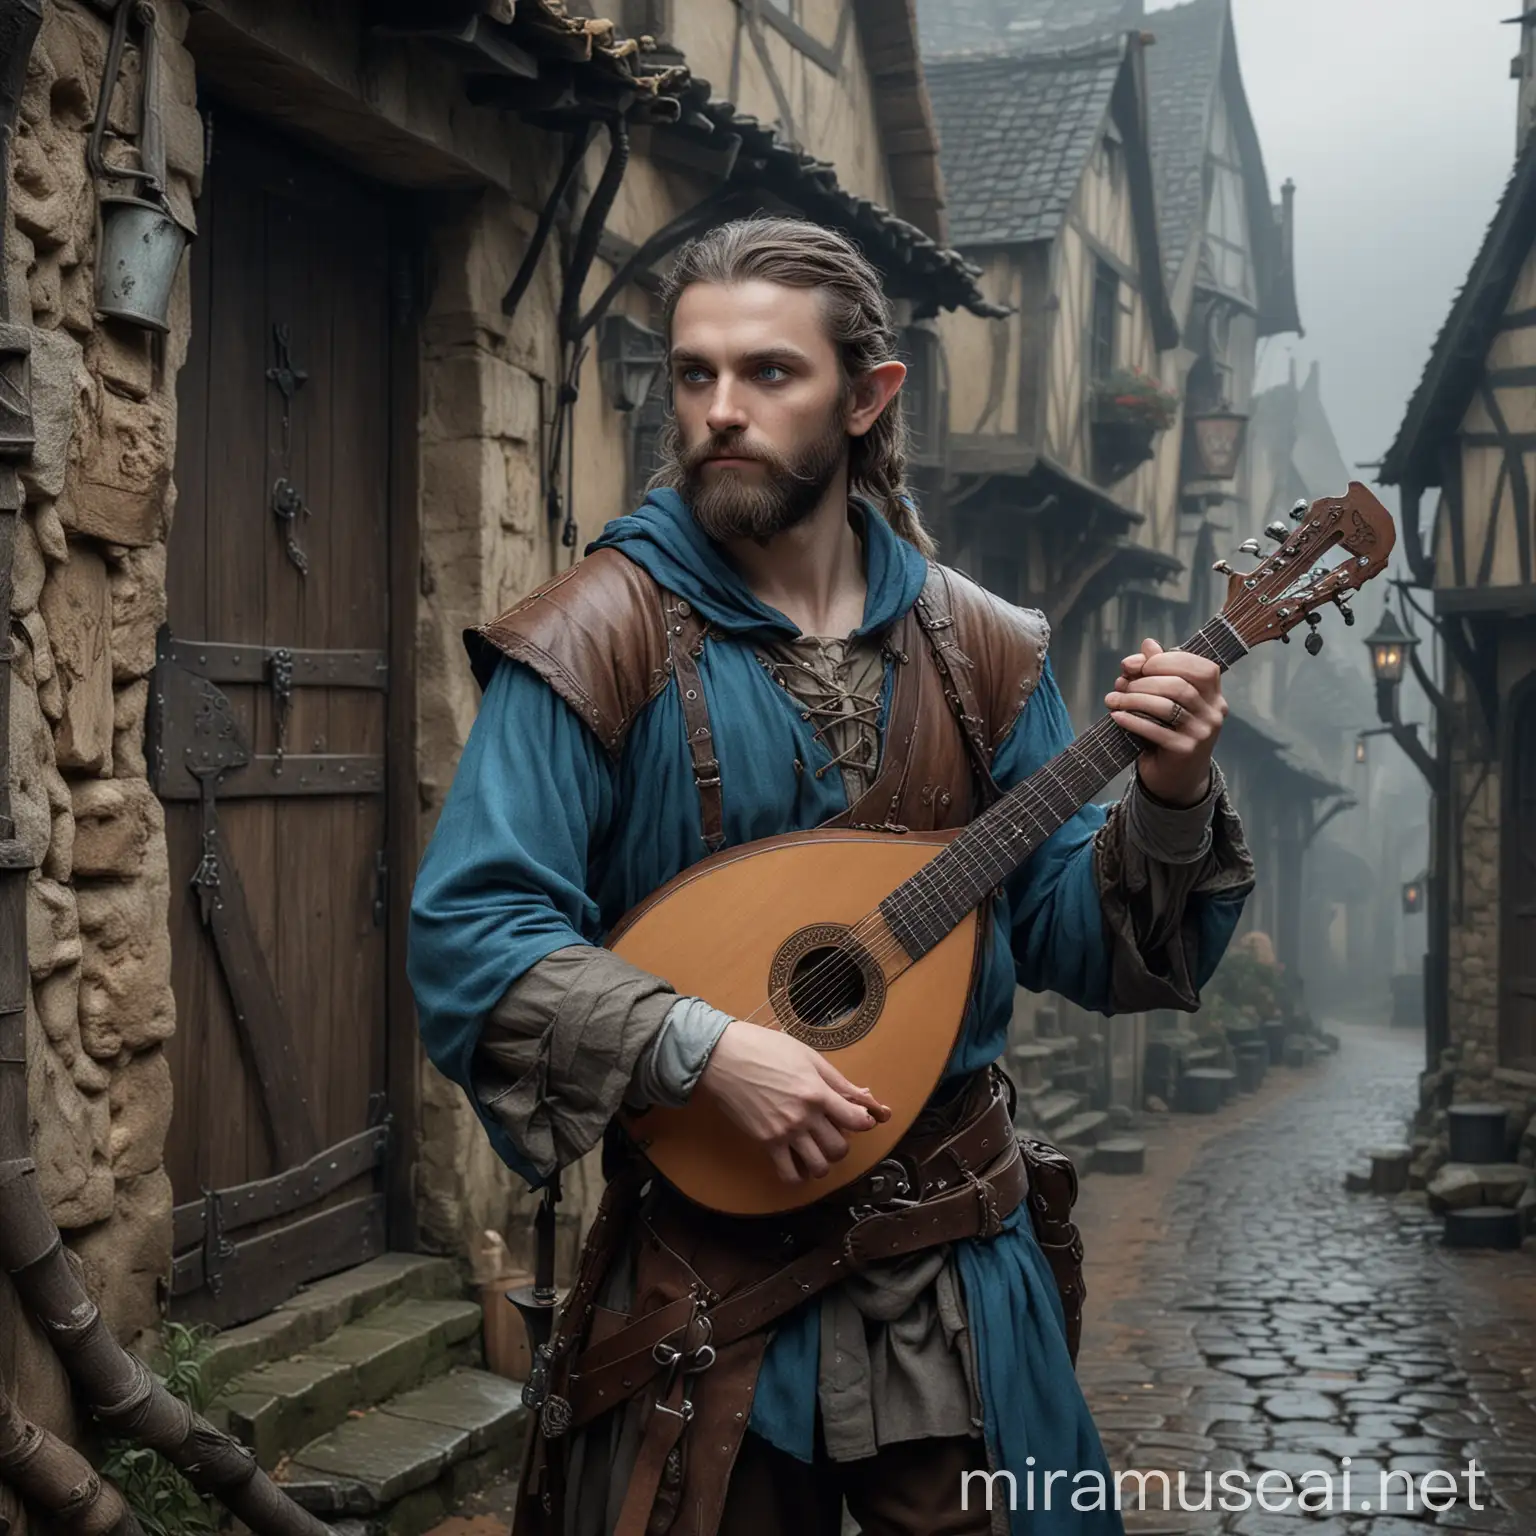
[1223, 568]
[1248, 547]
[1314, 643]
[1278, 532]
[1299, 511]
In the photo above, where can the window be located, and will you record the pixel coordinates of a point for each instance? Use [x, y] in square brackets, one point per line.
[1106, 310]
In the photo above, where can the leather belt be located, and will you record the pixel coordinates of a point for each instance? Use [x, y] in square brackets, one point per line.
[966, 1186]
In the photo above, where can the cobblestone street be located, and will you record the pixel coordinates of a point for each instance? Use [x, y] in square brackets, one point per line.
[1246, 1314]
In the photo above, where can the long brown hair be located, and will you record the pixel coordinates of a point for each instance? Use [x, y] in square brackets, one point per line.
[797, 254]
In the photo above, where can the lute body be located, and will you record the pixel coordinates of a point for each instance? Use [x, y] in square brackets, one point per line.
[719, 931]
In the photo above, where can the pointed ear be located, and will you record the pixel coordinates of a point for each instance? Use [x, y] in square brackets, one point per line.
[872, 393]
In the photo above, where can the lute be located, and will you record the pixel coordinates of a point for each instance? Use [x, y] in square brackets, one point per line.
[863, 944]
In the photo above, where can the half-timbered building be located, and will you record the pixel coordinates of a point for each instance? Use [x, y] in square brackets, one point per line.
[1052, 488]
[1465, 458]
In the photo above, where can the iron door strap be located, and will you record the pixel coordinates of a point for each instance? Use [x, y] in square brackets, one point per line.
[192, 723]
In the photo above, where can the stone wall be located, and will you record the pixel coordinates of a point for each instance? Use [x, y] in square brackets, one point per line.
[89, 594]
[487, 396]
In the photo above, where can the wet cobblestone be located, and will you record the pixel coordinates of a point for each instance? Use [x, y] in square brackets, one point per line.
[1248, 1315]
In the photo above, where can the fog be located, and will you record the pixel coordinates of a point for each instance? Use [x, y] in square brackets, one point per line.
[1396, 120]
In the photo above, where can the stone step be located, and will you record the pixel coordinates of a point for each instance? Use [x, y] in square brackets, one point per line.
[1082, 1130]
[1120, 1154]
[281, 1405]
[319, 1310]
[1050, 1109]
[1061, 1045]
[408, 1464]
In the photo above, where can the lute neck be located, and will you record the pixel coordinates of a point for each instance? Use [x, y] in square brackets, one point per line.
[929, 905]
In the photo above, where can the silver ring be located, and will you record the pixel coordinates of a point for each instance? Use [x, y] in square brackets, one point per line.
[1176, 716]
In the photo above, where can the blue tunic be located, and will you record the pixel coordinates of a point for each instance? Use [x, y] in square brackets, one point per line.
[545, 842]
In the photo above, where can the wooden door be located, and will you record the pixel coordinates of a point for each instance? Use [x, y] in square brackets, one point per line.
[268, 737]
[1517, 961]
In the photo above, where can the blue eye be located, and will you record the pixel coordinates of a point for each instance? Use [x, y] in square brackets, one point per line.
[771, 373]
[693, 375]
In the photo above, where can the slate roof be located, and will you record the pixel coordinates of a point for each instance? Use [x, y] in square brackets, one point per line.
[1183, 71]
[1014, 135]
[967, 26]
[1461, 349]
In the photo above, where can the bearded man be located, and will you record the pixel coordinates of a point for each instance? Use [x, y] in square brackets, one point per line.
[727, 664]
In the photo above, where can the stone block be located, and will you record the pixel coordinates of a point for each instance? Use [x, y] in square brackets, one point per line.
[127, 1258]
[137, 585]
[122, 357]
[68, 1136]
[28, 569]
[34, 778]
[35, 665]
[140, 1099]
[125, 985]
[60, 385]
[130, 706]
[1503, 1183]
[57, 999]
[77, 606]
[117, 484]
[474, 393]
[119, 825]
[1457, 1186]
[53, 927]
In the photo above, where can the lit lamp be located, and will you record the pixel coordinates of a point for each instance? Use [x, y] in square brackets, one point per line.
[1413, 897]
[1219, 438]
[1390, 645]
[1359, 749]
[629, 357]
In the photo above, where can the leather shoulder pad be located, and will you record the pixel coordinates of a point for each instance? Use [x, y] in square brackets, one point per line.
[596, 634]
[1004, 645]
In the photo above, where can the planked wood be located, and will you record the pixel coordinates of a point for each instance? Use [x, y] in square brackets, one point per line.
[286, 239]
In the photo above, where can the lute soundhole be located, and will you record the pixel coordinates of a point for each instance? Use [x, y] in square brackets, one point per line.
[826, 988]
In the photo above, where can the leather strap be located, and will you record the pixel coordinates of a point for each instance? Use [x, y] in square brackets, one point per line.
[685, 640]
[975, 1207]
[935, 614]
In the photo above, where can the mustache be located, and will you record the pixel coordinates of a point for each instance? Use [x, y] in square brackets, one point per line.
[733, 446]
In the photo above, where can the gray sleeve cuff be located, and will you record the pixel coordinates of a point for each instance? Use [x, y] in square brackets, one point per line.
[1171, 834]
[671, 1066]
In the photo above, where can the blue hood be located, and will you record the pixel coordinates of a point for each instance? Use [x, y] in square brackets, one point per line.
[662, 537]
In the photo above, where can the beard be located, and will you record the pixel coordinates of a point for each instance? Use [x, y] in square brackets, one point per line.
[727, 506]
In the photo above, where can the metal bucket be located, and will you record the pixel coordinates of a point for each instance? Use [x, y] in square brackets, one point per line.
[141, 246]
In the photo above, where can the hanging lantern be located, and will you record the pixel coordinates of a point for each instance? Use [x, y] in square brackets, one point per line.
[629, 358]
[1389, 644]
[1413, 897]
[1217, 440]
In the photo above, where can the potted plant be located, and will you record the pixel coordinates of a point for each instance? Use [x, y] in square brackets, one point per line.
[1127, 411]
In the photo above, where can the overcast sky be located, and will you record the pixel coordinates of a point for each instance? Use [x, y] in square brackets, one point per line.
[1396, 120]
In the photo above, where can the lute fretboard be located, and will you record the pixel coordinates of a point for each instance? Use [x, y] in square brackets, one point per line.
[923, 909]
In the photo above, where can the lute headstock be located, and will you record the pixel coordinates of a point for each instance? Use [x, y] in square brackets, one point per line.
[1292, 584]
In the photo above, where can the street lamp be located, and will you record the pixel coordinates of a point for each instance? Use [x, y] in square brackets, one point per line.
[1391, 647]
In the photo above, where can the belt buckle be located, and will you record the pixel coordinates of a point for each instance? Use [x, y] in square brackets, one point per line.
[888, 1186]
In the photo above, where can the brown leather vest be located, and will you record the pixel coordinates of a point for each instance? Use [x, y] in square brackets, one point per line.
[608, 639]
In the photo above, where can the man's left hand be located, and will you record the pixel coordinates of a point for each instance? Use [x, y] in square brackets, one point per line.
[1172, 701]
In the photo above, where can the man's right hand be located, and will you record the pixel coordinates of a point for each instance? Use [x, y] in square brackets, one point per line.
[788, 1098]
